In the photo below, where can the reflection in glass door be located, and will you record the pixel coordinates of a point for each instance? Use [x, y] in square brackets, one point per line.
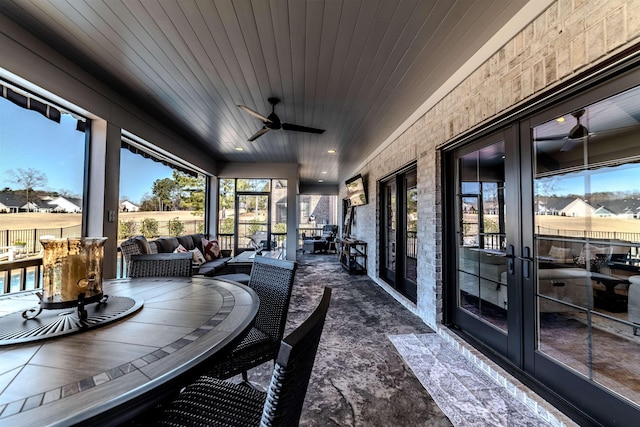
[586, 203]
[411, 229]
[546, 232]
[399, 210]
[389, 228]
[482, 261]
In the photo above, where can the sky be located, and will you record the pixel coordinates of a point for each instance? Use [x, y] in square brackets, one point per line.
[607, 179]
[30, 140]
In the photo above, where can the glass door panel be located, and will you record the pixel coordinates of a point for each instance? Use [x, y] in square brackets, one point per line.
[586, 205]
[399, 224]
[253, 219]
[411, 225]
[388, 231]
[482, 261]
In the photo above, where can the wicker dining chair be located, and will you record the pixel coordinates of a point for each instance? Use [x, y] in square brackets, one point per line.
[272, 280]
[214, 402]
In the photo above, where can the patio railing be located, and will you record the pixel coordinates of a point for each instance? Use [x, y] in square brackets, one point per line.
[31, 237]
[21, 275]
[26, 273]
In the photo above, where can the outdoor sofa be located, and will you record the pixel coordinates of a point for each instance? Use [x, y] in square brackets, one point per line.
[160, 257]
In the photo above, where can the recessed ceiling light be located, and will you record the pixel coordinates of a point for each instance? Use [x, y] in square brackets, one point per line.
[331, 151]
[239, 149]
[324, 172]
[321, 180]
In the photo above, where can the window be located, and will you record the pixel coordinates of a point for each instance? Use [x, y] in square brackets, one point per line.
[42, 170]
[158, 196]
[252, 213]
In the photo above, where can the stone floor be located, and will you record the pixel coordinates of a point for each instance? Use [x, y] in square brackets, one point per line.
[380, 365]
[472, 394]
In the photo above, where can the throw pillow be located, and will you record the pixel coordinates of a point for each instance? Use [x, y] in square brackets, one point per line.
[198, 258]
[180, 248]
[211, 249]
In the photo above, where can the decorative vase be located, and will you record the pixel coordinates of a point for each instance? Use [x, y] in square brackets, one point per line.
[72, 271]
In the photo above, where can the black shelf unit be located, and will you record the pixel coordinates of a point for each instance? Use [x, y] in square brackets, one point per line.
[354, 256]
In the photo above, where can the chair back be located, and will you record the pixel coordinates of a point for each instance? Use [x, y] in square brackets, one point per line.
[272, 280]
[292, 372]
[130, 247]
[133, 246]
[329, 231]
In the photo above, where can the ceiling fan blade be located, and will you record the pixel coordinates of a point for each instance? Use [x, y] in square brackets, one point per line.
[259, 133]
[551, 138]
[254, 114]
[298, 128]
[570, 144]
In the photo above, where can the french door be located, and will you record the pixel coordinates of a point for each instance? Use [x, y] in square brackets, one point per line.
[399, 208]
[543, 234]
[487, 298]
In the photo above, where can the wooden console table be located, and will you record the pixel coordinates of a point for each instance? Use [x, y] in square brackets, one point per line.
[354, 256]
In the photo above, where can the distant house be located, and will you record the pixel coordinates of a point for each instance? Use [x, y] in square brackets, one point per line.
[65, 205]
[627, 213]
[127, 206]
[603, 212]
[11, 202]
[578, 207]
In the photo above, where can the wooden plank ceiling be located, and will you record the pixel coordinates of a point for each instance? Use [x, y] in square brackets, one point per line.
[356, 68]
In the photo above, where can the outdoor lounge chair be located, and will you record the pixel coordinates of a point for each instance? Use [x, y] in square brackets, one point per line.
[147, 262]
[320, 243]
[213, 402]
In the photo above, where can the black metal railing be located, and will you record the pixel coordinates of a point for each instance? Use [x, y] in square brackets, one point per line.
[21, 275]
[412, 244]
[29, 239]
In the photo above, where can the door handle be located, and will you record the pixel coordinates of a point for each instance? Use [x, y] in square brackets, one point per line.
[510, 256]
[526, 262]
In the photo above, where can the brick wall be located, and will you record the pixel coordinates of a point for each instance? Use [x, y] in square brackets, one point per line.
[569, 37]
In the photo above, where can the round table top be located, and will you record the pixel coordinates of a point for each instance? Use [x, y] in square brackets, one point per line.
[110, 373]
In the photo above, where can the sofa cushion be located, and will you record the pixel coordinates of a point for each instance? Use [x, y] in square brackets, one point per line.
[210, 268]
[197, 241]
[186, 242]
[561, 255]
[167, 244]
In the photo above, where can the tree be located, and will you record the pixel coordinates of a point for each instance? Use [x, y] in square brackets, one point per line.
[227, 192]
[191, 192]
[29, 178]
[164, 190]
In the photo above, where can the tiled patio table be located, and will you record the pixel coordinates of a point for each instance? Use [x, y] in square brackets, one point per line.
[105, 375]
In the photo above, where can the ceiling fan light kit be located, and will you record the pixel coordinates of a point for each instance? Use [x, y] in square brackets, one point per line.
[272, 122]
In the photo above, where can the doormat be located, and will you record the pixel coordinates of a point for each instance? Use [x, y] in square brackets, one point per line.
[464, 392]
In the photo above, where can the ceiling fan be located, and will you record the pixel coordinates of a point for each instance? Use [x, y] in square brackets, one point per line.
[575, 135]
[272, 122]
